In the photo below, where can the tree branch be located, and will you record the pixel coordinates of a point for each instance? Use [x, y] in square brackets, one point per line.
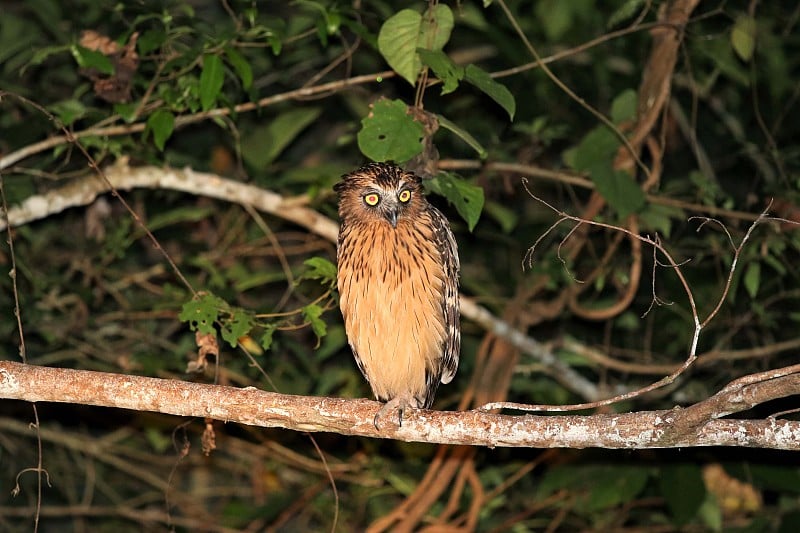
[250, 406]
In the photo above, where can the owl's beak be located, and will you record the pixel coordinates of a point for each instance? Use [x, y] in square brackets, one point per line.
[391, 216]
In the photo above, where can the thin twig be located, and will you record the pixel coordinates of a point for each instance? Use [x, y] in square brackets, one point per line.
[675, 267]
[303, 92]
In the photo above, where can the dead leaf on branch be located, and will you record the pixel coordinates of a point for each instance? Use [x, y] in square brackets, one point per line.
[115, 88]
[206, 345]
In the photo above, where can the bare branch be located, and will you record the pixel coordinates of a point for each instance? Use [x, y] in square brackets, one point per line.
[694, 426]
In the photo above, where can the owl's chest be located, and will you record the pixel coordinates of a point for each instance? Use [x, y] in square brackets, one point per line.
[382, 260]
[390, 254]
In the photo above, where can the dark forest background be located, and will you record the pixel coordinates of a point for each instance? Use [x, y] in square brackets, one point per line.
[509, 107]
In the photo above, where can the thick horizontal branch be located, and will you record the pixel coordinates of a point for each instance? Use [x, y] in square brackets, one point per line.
[250, 406]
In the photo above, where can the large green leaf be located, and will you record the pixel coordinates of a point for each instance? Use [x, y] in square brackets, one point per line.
[437, 24]
[406, 31]
[467, 198]
[92, 59]
[211, 79]
[390, 133]
[683, 489]
[264, 144]
[241, 66]
[443, 67]
[743, 37]
[161, 123]
[464, 135]
[619, 189]
[496, 91]
[595, 155]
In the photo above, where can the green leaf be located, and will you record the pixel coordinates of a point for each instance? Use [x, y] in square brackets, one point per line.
[464, 135]
[616, 485]
[720, 52]
[390, 133]
[68, 111]
[623, 108]
[92, 59]
[659, 218]
[211, 79]
[443, 67]
[596, 487]
[683, 489]
[507, 218]
[467, 198]
[496, 91]
[161, 123]
[312, 314]
[275, 44]
[266, 337]
[320, 269]
[710, 513]
[743, 37]
[201, 313]
[595, 155]
[236, 326]
[207, 309]
[264, 144]
[624, 12]
[556, 17]
[752, 278]
[151, 40]
[41, 54]
[619, 190]
[437, 25]
[127, 111]
[241, 66]
[398, 42]
[406, 31]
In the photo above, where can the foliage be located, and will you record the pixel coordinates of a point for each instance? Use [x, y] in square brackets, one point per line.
[289, 96]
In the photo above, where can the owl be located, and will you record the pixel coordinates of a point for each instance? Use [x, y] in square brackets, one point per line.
[398, 284]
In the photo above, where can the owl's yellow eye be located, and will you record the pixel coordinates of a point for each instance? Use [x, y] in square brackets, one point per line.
[404, 196]
[372, 199]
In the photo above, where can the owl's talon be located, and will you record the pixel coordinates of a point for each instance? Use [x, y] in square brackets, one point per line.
[398, 404]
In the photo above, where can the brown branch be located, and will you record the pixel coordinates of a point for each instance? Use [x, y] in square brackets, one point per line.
[695, 426]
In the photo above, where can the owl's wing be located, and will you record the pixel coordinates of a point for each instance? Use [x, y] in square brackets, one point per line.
[448, 250]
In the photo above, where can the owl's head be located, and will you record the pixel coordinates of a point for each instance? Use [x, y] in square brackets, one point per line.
[379, 192]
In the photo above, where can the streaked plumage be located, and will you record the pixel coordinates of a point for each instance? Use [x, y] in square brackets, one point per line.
[398, 285]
